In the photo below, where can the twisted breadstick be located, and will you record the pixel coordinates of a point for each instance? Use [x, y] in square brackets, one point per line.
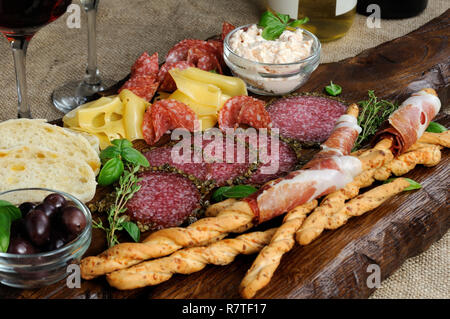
[269, 258]
[367, 202]
[321, 218]
[189, 260]
[442, 139]
[167, 241]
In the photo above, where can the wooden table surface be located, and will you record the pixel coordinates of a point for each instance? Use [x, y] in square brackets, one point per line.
[334, 265]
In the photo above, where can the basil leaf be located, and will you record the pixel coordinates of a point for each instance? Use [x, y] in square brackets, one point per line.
[11, 209]
[110, 152]
[134, 157]
[5, 231]
[239, 191]
[273, 32]
[110, 172]
[436, 128]
[412, 184]
[132, 230]
[218, 196]
[284, 17]
[122, 143]
[296, 23]
[267, 19]
[333, 89]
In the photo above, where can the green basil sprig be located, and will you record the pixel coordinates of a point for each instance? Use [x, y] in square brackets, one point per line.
[413, 185]
[275, 23]
[114, 159]
[436, 128]
[238, 191]
[8, 214]
[333, 89]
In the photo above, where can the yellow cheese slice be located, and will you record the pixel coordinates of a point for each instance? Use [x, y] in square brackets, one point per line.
[200, 92]
[229, 85]
[198, 108]
[207, 122]
[133, 114]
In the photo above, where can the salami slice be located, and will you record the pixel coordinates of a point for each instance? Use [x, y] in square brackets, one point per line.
[146, 65]
[144, 86]
[243, 110]
[164, 200]
[166, 155]
[305, 118]
[180, 50]
[222, 166]
[165, 115]
[204, 59]
[227, 28]
[164, 77]
[283, 163]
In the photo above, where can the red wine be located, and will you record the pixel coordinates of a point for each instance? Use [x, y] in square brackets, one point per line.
[394, 9]
[25, 17]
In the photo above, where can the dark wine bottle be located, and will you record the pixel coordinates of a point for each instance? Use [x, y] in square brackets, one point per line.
[394, 9]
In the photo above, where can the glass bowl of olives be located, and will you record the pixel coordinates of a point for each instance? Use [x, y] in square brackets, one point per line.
[42, 232]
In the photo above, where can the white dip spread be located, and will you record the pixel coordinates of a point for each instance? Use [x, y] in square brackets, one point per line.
[289, 47]
[280, 74]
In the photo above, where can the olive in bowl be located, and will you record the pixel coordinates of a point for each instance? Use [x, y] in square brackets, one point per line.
[50, 235]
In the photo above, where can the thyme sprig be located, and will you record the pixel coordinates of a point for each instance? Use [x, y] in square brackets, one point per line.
[373, 113]
[117, 221]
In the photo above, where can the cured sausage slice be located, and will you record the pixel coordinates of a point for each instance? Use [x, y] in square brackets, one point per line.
[305, 118]
[227, 28]
[146, 65]
[164, 77]
[164, 200]
[243, 110]
[144, 86]
[165, 115]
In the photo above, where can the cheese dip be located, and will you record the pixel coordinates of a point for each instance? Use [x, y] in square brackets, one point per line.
[288, 48]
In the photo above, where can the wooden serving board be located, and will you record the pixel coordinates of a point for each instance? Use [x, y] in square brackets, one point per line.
[334, 265]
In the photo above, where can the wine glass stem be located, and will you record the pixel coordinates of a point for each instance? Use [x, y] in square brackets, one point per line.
[19, 48]
[92, 76]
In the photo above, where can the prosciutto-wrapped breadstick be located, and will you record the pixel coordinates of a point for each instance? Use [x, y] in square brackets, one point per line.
[188, 261]
[322, 217]
[408, 123]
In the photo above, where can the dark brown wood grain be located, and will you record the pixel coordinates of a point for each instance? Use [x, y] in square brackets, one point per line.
[334, 265]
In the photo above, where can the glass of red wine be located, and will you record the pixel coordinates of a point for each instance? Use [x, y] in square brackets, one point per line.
[19, 21]
[72, 94]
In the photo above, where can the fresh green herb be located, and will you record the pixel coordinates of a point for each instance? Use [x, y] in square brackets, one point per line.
[275, 23]
[373, 113]
[8, 214]
[117, 221]
[115, 157]
[413, 185]
[333, 89]
[436, 128]
[213, 71]
[238, 191]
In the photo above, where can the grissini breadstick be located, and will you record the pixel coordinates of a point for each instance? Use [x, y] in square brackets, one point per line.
[188, 261]
[320, 219]
[442, 139]
[167, 241]
[367, 202]
[267, 261]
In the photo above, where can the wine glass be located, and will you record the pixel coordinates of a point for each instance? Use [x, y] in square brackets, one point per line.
[75, 93]
[19, 21]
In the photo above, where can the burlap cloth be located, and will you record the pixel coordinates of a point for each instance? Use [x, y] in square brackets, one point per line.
[57, 54]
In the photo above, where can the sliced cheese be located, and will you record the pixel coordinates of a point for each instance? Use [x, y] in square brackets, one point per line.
[207, 122]
[200, 92]
[229, 85]
[198, 108]
[133, 115]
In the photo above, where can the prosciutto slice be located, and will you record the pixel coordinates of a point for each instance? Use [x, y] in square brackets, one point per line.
[407, 124]
[331, 169]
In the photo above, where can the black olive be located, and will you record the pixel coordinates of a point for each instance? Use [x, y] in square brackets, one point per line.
[37, 225]
[21, 246]
[47, 208]
[56, 200]
[26, 207]
[73, 220]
